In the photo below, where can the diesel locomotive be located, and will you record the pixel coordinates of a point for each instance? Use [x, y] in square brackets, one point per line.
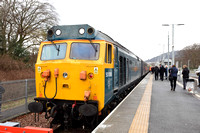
[79, 72]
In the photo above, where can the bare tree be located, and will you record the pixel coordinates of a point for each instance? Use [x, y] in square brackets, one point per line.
[24, 23]
[190, 53]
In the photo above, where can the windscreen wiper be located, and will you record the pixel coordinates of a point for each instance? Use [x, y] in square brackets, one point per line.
[93, 45]
[57, 48]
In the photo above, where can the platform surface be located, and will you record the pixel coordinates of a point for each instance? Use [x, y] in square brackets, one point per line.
[152, 107]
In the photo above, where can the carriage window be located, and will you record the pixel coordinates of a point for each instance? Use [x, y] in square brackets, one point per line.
[84, 51]
[108, 58]
[53, 51]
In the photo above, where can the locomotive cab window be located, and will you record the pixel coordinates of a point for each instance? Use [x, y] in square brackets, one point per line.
[108, 56]
[54, 51]
[84, 51]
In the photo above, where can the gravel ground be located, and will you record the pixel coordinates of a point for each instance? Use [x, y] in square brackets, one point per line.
[29, 120]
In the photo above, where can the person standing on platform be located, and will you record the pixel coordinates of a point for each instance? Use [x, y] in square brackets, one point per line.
[173, 72]
[166, 72]
[156, 71]
[162, 70]
[198, 74]
[199, 80]
[185, 73]
[152, 70]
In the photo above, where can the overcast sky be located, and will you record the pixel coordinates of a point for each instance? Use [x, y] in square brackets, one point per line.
[137, 24]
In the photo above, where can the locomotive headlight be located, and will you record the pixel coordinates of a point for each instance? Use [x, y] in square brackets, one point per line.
[58, 32]
[65, 75]
[81, 31]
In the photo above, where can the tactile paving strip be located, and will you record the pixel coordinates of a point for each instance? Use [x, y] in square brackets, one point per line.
[140, 122]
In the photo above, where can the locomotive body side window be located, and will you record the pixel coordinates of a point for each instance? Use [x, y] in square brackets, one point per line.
[53, 51]
[84, 51]
[108, 56]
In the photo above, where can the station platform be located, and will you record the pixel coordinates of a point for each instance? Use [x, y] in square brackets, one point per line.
[152, 107]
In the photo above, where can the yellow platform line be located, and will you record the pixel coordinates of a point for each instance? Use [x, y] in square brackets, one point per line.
[140, 121]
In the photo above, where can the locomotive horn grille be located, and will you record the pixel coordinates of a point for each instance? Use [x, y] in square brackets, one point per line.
[90, 30]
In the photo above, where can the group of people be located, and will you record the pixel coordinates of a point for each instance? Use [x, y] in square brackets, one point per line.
[162, 70]
[173, 71]
[173, 76]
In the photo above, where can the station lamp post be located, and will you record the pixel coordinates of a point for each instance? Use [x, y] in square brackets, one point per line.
[173, 59]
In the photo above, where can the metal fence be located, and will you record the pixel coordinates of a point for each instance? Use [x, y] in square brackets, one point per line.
[14, 101]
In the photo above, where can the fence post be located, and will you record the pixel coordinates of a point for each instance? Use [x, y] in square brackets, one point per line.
[26, 96]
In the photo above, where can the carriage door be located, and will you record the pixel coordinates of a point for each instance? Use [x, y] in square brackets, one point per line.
[116, 69]
[109, 72]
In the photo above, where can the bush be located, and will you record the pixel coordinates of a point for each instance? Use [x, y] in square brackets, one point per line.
[11, 69]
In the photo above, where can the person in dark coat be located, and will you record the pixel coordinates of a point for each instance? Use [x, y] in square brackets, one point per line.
[199, 79]
[185, 73]
[156, 71]
[166, 72]
[173, 73]
[162, 70]
[198, 74]
[152, 70]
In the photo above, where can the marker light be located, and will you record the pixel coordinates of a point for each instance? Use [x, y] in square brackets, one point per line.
[90, 75]
[90, 30]
[65, 75]
[50, 33]
[58, 32]
[41, 75]
[81, 31]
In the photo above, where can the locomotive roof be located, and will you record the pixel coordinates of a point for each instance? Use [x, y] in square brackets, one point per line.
[83, 31]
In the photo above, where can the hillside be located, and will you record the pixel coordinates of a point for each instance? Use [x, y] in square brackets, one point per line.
[11, 69]
[165, 56]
